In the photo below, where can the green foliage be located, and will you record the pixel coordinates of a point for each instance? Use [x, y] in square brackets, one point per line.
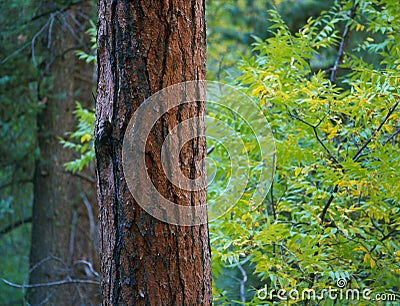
[84, 137]
[90, 57]
[19, 105]
[230, 26]
[25, 87]
[333, 209]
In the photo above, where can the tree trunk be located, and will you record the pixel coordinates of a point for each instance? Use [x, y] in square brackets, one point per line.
[143, 47]
[64, 207]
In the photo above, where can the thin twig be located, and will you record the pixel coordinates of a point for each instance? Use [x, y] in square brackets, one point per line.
[89, 209]
[55, 10]
[90, 266]
[48, 297]
[390, 112]
[14, 53]
[315, 130]
[34, 267]
[86, 177]
[14, 225]
[388, 235]
[328, 203]
[272, 200]
[72, 238]
[241, 281]
[84, 79]
[41, 262]
[34, 38]
[94, 97]
[84, 16]
[15, 183]
[50, 30]
[220, 67]
[50, 284]
[281, 245]
[392, 136]
[341, 46]
[52, 13]
[69, 28]
[77, 23]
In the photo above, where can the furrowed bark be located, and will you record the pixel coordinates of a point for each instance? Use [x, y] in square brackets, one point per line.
[143, 47]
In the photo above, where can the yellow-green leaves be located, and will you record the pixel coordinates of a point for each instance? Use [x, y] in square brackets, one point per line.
[338, 156]
[83, 135]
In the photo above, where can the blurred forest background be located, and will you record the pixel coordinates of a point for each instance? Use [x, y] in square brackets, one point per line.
[326, 75]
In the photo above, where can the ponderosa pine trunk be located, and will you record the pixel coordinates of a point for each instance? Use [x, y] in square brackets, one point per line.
[143, 47]
[64, 221]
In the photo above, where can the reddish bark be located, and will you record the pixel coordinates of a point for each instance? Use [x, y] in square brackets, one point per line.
[143, 47]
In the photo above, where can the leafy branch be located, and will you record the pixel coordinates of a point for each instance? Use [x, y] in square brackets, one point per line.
[294, 115]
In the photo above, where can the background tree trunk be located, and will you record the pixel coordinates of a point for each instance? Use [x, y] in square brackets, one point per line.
[64, 211]
[143, 47]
